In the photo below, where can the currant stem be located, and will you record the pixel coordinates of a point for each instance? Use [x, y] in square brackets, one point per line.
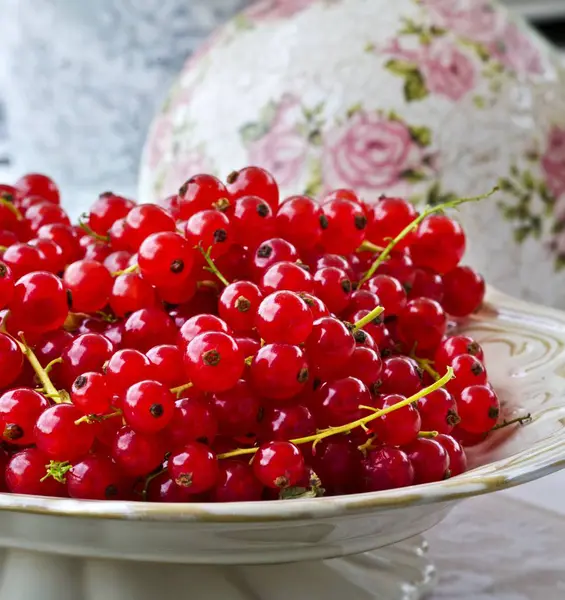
[58, 470]
[85, 227]
[148, 480]
[3, 248]
[368, 246]
[517, 421]
[211, 265]
[131, 269]
[324, 433]
[412, 226]
[181, 388]
[368, 318]
[428, 434]
[90, 419]
[426, 365]
[10, 206]
[54, 362]
[49, 389]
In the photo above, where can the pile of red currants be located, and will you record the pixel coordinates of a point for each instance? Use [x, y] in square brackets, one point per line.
[226, 346]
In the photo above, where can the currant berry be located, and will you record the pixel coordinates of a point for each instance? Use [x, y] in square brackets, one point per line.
[337, 462]
[238, 410]
[198, 324]
[284, 317]
[212, 230]
[279, 371]
[126, 367]
[286, 276]
[400, 267]
[278, 465]
[333, 287]
[57, 435]
[107, 209]
[168, 364]
[49, 347]
[39, 303]
[94, 478]
[332, 260]
[479, 408]
[438, 411]
[401, 376]
[316, 306]
[194, 420]
[52, 257]
[457, 456]
[11, 361]
[165, 259]
[422, 324]
[269, 253]
[117, 261]
[298, 221]
[391, 294]
[36, 184]
[90, 285]
[195, 468]
[238, 305]
[343, 224]
[362, 300]
[454, 346]
[87, 352]
[22, 259]
[253, 221]
[45, 213]
[130, 293]
[426, 284]
[429, 459]
[142, 221]
[366, 365]
[388, 217]
[385, 469]
[438, 244]
[122, 236]
[19, 411]
[399, 427]
[287, 422]
[236, 483]
[65, 237]
[464, 291]
[213, 361]
[25, 474]
[148, 327]
[337, 402]
[148, 406]
[137, 454]
[90, 394]
[200, 192]
[254, 181]
[330, 346]
[468, 371]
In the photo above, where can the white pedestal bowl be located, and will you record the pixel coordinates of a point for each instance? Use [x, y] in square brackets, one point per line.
[358, 547]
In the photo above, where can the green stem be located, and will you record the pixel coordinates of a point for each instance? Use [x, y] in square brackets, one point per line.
[517, 421]
[181, 388]
[324, 433]
[367, 246]
[368, 318]
[211, 265]
[412, 226]
[428, 434]
[131, 269]
[85, 227]
[10, 206]
[55, 361]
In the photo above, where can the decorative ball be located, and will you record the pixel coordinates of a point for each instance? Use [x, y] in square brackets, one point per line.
[426, 99]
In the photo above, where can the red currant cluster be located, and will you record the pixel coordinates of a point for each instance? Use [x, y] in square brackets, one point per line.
[147, 351]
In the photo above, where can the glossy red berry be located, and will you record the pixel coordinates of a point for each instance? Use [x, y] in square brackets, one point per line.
[438, 244]
[148, 406]
[464, 291]
[366, 365]
[429, 459]
[236, 483]
[95, 477]
[254, 181]
[427, 284]
[385, 469]
[194, 420]
[148, 327]
[298, 221]
[238, 304]
[337, 462]
[400, 267]
[57, 435]
[253, 221]
[142, 221]
[87, 352]
[39, 303]
[130, 293]
[438, 411]
[388, 217]
[362, 300]
[343, 224]
[279, 371]
[213, 361]
[399, 427]
[454, 346]
[168, 364]
[25, 474]
[165, 259]
[286, 276]
[391, 294]
[333, 286]
[400, 375]
[19, 411]
[278, 465]
[198, 324]
[53, 259]
[456, 453]
[316, 306]
[90, 285]
[11, 360]
[91, 394]
[107, 209]
[329, 347]
[211, 230]
[6, 285]
[137, 454]
[284, 317]
[287, 422]
[126, 367]
[194, 468]
[479, 408]
[200, 192]
[22, 259]
[468, 371]
[337, 402]
[238, 410]
[36, 184]
[65, 237]
[269, 253]
[45, 213]
[422, 324]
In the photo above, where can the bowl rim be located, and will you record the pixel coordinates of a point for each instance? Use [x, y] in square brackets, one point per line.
[542, 458]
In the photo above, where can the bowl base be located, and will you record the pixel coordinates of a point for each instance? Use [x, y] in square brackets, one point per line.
[399, 572]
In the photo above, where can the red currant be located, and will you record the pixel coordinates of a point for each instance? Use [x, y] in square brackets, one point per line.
[195, 468]
[130, 293]
[269, 253]
[107, 210]
[329, 347]
[337, 402]
[479, 408]
[95, 477]
[148, 406]
[298, 221]
[389, 216]
[278, 465]
[165, 259]
[19, 411]
[286, 276]
[400, 375]
[200, 192]
[422, 324]
[438, 411]
[254, 181]
[238, 305]
[457, 456]
[238, 410]
[148, 327]
[137, 454]
[429, 459]
[333, 287]
[279, 310]
[343, 224]
[464, 291]
[143, 220]
[25, 474]
[391, 294]
[90, 285]
[386, 468]
[439, 244]
[454, 346]
[236, 483]
[168, 364]
[90, 393]
[11, 361]
[253, 221]
[194, 420]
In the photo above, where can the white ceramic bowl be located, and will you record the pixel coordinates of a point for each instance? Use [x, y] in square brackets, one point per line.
[359, 547]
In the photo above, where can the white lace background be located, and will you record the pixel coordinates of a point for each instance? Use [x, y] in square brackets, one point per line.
[82, 80]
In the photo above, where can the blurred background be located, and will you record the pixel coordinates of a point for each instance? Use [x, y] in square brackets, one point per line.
[80, 81]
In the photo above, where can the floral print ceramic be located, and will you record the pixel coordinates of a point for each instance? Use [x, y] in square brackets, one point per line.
[424, 98]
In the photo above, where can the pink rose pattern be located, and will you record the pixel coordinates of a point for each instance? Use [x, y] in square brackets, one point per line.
[281, 148]
[516, 51]
[369, 152]
[276, 9]
[553, 165]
